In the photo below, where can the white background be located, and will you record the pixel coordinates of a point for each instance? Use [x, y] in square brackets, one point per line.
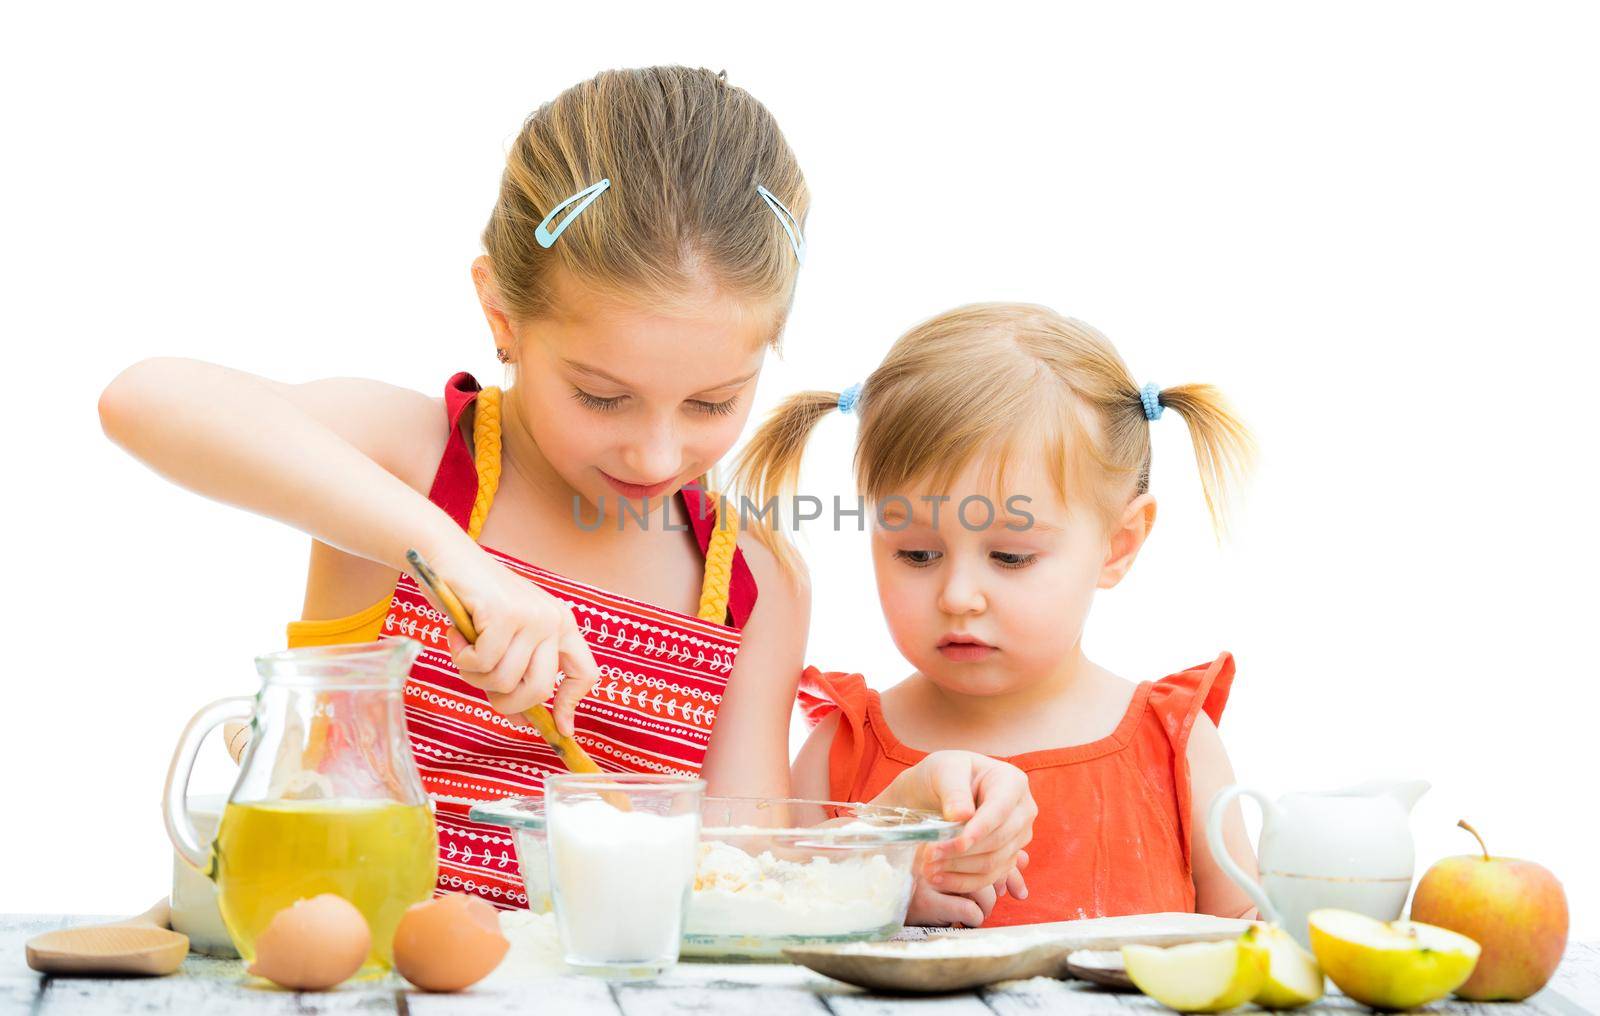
[1373, 225]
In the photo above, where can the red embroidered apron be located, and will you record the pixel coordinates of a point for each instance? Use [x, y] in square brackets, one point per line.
[662, 675]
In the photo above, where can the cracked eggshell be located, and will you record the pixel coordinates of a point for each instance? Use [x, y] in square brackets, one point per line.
[449, 943]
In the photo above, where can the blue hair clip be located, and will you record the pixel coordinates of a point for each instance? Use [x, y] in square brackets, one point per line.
[1150, 396]
[791, 225]
[584, 198]
[849, 397]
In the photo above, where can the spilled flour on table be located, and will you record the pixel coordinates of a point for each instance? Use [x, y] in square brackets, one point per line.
[535, 947]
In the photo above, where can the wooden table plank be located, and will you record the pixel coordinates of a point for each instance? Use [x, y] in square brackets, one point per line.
[1578, 977]
[211, 986]
[203, 985]
[19, 984]
[197, 994]
[732, 999]
[1047, 995]
[14, 934]
[558, 996]
[965, 1004]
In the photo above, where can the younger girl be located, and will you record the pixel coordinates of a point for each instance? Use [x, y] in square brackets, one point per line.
[639, 262]
[1004, 452]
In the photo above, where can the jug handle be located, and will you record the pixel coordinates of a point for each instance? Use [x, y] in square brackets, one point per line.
[175, 798]
[1219, 850]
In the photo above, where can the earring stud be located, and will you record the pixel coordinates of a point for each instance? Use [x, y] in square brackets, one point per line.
[502, 355]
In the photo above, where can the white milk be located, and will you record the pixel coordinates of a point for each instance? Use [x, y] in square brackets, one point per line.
[621, 881]
[194, 897]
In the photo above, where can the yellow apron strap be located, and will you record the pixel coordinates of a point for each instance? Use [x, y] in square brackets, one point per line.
[486, 446]
[719, 564]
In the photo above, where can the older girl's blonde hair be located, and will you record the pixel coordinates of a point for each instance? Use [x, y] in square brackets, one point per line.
[684, 152]
[994, 382]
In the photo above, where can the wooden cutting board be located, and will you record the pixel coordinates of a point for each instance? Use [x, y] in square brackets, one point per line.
[922, 960]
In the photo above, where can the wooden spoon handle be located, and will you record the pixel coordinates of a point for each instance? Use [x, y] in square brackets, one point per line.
[158, 916]
[571, 752]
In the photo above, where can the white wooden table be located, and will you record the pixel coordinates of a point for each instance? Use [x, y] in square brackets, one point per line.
[217, 988]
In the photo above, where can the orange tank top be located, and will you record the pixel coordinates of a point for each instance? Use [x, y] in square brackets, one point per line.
[1112, 836]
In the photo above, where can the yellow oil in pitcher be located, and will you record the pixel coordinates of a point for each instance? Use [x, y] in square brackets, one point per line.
[382, 856]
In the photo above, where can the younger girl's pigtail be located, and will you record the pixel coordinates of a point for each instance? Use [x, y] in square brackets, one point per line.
[768, 469]
[1223, 448]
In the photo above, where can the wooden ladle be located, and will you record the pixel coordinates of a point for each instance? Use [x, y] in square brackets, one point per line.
[140, 946]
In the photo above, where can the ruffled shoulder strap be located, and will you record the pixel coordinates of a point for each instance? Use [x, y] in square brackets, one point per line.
[823, 693]
[1178, 699]
[1177, 702]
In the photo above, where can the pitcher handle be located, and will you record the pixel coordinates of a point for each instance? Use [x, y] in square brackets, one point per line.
[1219, 850]
[175, 798]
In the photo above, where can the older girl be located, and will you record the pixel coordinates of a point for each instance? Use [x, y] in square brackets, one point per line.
[638, 264]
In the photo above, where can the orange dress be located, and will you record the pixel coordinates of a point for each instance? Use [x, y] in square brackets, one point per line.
[1112, 836]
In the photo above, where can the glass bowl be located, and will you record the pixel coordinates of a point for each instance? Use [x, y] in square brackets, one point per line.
[773, 873]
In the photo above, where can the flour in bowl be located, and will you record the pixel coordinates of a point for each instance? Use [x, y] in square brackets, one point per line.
[737, 893]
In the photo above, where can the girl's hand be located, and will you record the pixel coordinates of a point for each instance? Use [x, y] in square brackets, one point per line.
[936, 909]
[990, 796]
[1014, 884]
[525, 636]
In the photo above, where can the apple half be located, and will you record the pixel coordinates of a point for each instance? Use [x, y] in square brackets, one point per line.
[1398, 965]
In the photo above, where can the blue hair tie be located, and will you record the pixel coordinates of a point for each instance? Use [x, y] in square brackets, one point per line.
[849, 397]
[1150, 397]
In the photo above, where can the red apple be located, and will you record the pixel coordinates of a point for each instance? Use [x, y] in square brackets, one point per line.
[1515, 909]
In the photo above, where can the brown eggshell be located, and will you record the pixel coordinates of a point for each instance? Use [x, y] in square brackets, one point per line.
[313, 945]
[448, 943]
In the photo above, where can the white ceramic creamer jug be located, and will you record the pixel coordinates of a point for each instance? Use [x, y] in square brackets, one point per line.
[1349, 848]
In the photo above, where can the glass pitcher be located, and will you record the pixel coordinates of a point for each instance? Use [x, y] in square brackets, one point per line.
[328, 799]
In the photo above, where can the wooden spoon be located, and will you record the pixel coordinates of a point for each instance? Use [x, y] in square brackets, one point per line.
[572, 754]
[567, 749]
[142, 945]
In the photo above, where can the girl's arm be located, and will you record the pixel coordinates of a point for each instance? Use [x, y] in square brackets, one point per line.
[1210, 771]
[749, 756]
[809, 773]
[345, 461]
[339, 459]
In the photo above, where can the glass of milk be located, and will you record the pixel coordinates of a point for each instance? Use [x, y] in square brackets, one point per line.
[623, 848]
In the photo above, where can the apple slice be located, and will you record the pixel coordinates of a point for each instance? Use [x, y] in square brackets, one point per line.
[1198, 976]
[1293, 977]
[1399, 965]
